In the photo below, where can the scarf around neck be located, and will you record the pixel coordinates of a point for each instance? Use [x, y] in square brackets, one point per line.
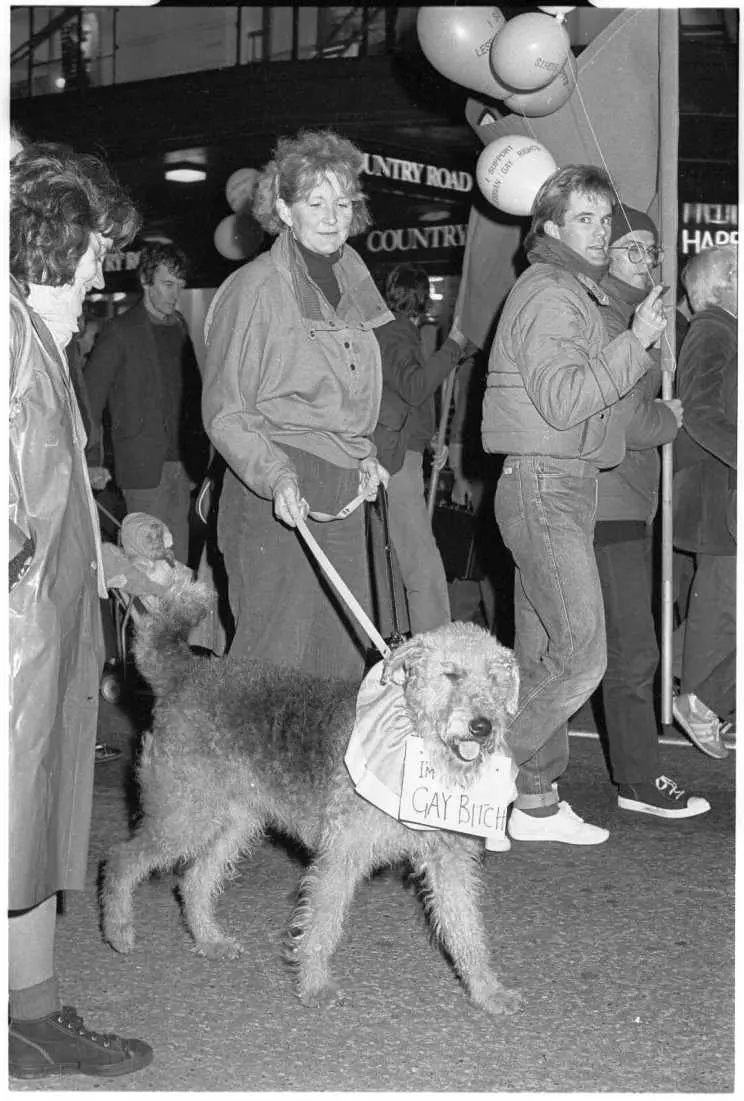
[58, 308]
[549, 250]
[626, 292]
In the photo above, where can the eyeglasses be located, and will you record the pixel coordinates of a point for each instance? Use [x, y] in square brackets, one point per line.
[636, 253]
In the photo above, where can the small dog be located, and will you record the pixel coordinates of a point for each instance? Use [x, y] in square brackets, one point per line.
[236, 748]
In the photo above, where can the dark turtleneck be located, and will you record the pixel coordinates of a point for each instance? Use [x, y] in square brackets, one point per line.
[320, 270]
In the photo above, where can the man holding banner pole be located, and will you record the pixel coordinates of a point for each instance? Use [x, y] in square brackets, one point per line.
[553, 382]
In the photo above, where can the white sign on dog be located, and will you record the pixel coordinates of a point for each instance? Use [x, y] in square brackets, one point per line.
[480, 809]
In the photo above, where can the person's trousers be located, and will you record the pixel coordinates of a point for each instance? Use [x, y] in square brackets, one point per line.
[284, 610]
[710, 634]
[418, 554]
[170, 502]
[625, 573]
[545, 509]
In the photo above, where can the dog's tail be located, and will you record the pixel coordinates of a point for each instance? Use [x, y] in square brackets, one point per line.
[161, 648]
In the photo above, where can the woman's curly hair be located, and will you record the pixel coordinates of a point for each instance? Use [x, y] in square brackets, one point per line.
[298, 164]
[57, 199]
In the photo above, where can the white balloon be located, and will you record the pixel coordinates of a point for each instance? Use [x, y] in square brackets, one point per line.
[529, 51]
[544, 101]
[240, 187]
[511, 170]
[226, 239]
[456, 41]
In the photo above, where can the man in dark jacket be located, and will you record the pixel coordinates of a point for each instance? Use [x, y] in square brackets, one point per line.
[554, 380]
[705, 497]
[143, 366]
[627, 500]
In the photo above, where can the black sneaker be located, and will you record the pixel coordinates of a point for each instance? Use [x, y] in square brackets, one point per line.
[661, 797]
[61, 1044]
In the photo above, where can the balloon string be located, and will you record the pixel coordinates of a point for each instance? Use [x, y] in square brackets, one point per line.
[606, 167]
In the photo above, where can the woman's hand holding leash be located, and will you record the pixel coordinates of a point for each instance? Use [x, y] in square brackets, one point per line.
[371, 474]
[289, 506]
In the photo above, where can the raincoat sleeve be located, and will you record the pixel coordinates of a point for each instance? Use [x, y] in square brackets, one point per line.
[20, 537]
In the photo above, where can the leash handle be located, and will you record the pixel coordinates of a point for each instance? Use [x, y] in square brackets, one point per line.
[347, 510]
[343, 590]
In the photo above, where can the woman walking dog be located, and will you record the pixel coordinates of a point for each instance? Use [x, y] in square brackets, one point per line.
[290, 397]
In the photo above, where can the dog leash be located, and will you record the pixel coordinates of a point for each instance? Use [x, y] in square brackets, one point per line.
[343, 589]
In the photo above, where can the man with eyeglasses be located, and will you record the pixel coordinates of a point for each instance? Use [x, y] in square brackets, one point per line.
[627, 500]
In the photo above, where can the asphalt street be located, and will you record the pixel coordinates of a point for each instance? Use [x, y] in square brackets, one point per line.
[624, 954]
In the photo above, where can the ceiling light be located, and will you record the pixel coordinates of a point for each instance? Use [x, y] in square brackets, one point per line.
[185, 172]
[186, 165]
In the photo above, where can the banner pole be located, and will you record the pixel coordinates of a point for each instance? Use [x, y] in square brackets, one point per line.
[668, 217]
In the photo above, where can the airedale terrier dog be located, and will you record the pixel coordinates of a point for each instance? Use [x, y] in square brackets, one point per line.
[236, 748]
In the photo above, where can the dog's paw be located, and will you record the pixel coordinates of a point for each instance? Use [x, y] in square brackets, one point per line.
[329, 995]
[120, 938]
[226, 949]
[501, 1001]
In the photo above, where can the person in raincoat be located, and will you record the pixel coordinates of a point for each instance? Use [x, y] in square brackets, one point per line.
[66, 212]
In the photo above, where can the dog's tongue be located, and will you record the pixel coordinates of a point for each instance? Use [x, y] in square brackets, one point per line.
[469, 750]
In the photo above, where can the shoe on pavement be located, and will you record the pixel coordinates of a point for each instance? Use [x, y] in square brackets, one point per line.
[497, 844]
[61, 1044]
[105, 752]
[702, 726]
[565, 826]
[661, 797]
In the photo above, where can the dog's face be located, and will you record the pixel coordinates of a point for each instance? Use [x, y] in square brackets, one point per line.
[460, 685]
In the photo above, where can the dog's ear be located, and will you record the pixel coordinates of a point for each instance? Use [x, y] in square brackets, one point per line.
[399, 662]
[506, 669]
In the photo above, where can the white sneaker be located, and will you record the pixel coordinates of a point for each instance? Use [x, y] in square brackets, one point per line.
[564, 826]
[497, 844]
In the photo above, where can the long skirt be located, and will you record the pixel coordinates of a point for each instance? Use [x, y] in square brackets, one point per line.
[284, 610]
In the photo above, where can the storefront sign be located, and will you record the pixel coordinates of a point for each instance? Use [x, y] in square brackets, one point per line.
[414, 238]
[706, 225]
[415, 172]
[121, 261]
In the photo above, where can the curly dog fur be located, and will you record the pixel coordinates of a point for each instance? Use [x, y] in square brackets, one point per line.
[236, 748]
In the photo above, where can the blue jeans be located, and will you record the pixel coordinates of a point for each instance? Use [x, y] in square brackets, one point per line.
[418, 554]
[545, 509]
